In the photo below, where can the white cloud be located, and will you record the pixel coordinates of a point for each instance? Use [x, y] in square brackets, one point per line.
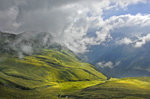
[75, 35]
[104, 65]
[69, 21]
[27, 49]
[117, 63]
[129, 27]
[138, 42]
[142, 40]
[125, 3]
[8, 19]
[134, 21]
[125, 41]
[108, 64]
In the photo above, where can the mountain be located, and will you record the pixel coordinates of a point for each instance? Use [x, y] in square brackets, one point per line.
[125, 60]
[49, 65]
[33, 67]
[47, 68]
[39, 72]
[43, 71]
[115, 59]
[58, 74]
[25, 43]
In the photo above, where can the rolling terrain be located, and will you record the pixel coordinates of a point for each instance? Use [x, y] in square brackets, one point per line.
[126, 88]
[30, 69]
[49, 70]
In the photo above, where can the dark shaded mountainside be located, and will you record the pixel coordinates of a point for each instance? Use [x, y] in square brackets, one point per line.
[45, 70]
[133, 62]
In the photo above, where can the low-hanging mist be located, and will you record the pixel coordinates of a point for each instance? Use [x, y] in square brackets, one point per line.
[74, 24]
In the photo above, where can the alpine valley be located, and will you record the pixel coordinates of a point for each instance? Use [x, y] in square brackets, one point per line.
[33, 67]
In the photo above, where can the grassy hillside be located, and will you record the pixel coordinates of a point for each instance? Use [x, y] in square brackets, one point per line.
[126, 88]
[45, 74]
[58, 74]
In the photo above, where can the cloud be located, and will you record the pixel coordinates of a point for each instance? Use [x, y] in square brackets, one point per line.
[142, 40]
[138, 42]
[125, 3]
[104, 65]
[125, 41]
[69, 21]
[8, 19]
[108, 64]
[129, 21]
[81, 25]
[128, 29]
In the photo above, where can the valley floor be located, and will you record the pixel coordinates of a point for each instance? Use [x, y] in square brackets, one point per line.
[126, 88]
[58, 74]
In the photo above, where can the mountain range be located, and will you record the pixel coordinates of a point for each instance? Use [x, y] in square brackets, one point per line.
[121, 60]
[32, 66]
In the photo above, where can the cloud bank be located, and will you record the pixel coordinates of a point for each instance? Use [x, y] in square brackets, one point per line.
[76, 24]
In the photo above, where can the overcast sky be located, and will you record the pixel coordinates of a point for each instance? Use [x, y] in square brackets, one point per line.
[78, 24]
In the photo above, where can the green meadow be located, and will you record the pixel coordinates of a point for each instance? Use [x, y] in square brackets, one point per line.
[59, 74]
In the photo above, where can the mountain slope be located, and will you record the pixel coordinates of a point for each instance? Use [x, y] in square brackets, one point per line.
[44, 68]
[133, 62]
[51, 71]
[25, 43]
[32, 63]
[126, 88]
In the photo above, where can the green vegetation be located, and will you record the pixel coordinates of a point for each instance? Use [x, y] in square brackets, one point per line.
[126, 88]
[58, 74]
[48, 73]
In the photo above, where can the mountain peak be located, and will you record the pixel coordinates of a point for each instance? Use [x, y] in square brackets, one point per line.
[26, 43]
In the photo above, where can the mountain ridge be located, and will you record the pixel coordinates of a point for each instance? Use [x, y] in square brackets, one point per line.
[55, 72]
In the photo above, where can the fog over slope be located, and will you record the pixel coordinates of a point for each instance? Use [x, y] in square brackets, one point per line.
[74, 24]
[25, 43]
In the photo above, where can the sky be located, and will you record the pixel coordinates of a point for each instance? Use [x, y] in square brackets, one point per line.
[79, 24]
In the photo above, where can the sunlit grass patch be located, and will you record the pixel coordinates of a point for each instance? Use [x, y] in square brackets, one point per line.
[77, 85]
[126, 88]
[136, 82]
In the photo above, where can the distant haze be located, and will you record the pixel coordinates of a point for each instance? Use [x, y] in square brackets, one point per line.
[77, 24]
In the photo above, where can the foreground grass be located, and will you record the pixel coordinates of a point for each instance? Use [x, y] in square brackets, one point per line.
[53, 74]
[70, 87]
[47, 74]
[126, 88]
[55, 91]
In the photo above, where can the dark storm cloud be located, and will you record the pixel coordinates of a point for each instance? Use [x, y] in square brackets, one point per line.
[32, 15]
[34, 4]
[6, 4]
